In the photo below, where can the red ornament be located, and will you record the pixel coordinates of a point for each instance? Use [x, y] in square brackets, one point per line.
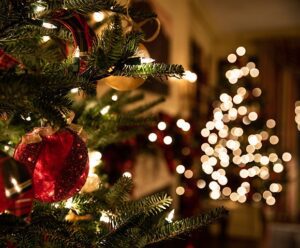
[16, 193]
[7, 61]
[58, 163]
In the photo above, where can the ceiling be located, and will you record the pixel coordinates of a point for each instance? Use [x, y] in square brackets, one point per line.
[233, 17]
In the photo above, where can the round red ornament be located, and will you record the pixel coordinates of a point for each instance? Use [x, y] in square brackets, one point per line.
[16, 193]
[57, 160]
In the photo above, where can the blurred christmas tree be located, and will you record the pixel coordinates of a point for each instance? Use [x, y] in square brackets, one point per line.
[50, 191]
[242, 159]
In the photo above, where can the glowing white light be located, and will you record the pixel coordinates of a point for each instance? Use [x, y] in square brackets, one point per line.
[225, 97]
[242, 199]
[105, 110]
[244, 173]
[74, 90]
[242, 110]
[127, 174]
[98, 16]
[170, 216]
[114, 97]
[162, 125]
[180, 169]
[278, 168]
[48, 25]
[254, 72]
[231, 58]
[252, 139]
[94, 158]
[168, 140]
[215, 194]
[190, 76]
[241, 51]
[237, 99]
[274, 187]
[222, 180]
[210, 125]
[145, 60]
[69, 203]
[186, 126]
[241, 191]
[252, 116]
[234, 196]
[264, 160]
[45, 38]
[214, 186]
[104, 218]
[271, 200]
[152, 137]
[39, 8]
[212, 138]
[205, 132]
[245, 70]
[180, 123]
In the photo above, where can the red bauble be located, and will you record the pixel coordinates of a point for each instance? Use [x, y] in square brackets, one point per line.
[59, 165]
[16, 193]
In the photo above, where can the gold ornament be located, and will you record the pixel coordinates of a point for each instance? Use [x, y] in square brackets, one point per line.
[123, 83]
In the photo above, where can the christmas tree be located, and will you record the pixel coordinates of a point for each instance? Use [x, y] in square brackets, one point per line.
[50, 191]
[242, 159]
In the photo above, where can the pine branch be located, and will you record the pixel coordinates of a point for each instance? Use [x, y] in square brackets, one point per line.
[183, 226]
[151, 69]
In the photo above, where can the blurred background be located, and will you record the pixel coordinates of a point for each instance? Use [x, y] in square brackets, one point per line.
[228, 132]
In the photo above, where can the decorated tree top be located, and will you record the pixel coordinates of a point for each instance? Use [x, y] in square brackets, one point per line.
[48, 51]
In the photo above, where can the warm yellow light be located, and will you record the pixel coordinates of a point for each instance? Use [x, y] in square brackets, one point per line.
[286, 157]
[278, 168]
[274, 140]
[250, 65]
[271, 201]
[245, 70]
[256, 197]
[215, 194]
[252, 116]
[274, 187]
[226, 191]
[234, 196]
[271, 123]
[180, 190]
[231, 58]
[256, 92]
[267, 194]
[188, 174]
[242, 110]
[201, 184]
[210, 125]
[252, 139]
[241, 51]
[254, 72]
[242, 199]
[273, 157]
[225, 97]
[205, 132]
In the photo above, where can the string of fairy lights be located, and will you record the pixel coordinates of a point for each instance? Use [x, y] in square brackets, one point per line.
[229, 147]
